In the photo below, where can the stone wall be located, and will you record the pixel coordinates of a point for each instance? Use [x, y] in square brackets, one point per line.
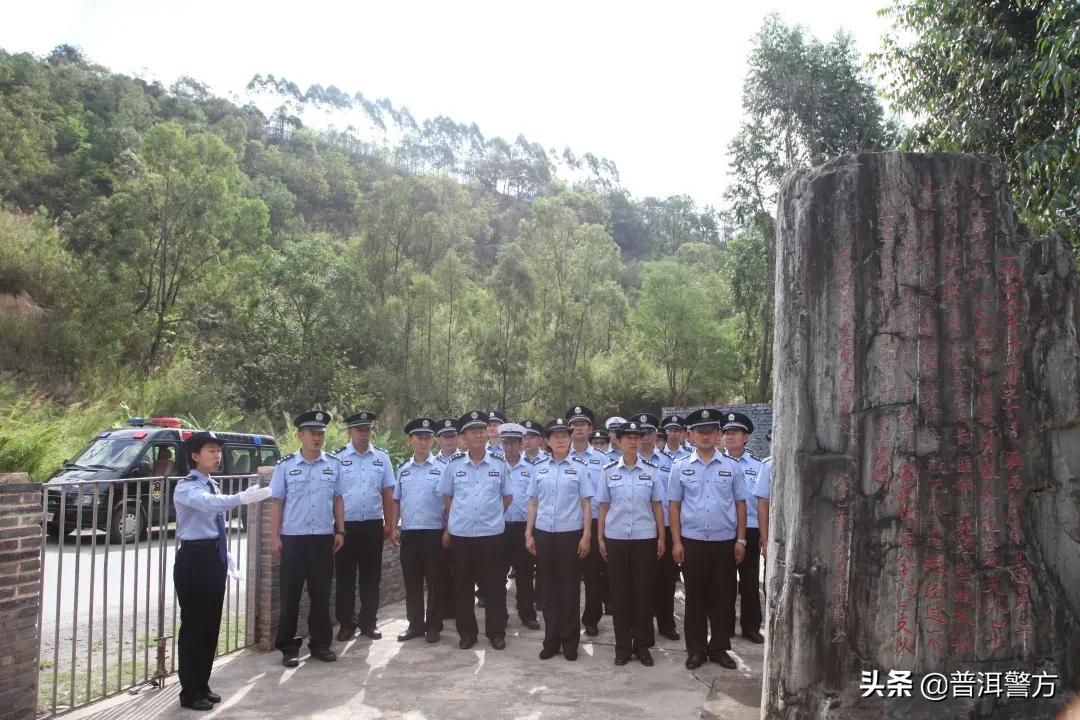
[761, 414]
[20, 595]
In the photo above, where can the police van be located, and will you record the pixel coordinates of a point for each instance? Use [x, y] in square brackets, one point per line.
[131, 461]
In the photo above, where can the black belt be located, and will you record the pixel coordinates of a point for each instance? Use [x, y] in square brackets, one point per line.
[209, 542]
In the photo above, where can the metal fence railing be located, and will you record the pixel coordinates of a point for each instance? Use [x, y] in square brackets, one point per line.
[108, 612]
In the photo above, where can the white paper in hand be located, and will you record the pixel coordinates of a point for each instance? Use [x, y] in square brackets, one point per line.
[234, 570]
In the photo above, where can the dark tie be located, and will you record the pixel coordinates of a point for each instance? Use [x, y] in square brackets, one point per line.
[222, 540]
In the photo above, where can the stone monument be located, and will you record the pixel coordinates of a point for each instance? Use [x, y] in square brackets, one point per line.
[926, 506]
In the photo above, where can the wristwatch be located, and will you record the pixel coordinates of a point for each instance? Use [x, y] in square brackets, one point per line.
[741, 541]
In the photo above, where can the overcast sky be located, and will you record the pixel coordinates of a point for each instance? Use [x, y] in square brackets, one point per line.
[653, 86]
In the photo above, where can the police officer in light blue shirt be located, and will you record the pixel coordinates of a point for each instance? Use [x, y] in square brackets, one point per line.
[736, 430]
[201, 562]
[707, 497]
[307, 530]
[674, 448]
[593, 566]
[667, 572]
[632, 527]
[368, 482]
[446, 433]
[530, 443]
[421, 509]
[477, 491]
[517, 556]
[495, 418]
[558, 534]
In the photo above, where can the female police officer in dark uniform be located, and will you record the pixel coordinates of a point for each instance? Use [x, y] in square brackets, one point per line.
[201, 562]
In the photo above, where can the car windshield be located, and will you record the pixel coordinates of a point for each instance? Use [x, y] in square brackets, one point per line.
[114, 453]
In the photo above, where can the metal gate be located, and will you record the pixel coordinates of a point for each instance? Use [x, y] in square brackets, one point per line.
[108, 612]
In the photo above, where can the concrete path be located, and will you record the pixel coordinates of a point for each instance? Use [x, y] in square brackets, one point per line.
[388, 679]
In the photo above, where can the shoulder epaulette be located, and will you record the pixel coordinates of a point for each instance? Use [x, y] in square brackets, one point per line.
[380, 448]
[332, 455]
[287, 457]
[611, 464]
[650, 463]
[575, 458]
[339, 450]
[531, 461]
[457, 455]
[753, 455]
[768, 459]
[193, 476]
[497, 456]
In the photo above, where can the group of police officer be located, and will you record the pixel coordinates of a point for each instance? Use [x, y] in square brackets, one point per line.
[621, 509]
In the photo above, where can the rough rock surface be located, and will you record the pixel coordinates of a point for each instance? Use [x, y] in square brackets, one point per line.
[926, 506]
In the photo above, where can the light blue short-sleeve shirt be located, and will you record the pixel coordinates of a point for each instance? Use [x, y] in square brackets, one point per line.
[763, 487]
[520, 478]
[630, 494]
[559, 488]
[663, 464]
[308, 490]
[751, 468]
[477, 491]
[707, 493]
[364, 475]
[595, 460]
[417, 490]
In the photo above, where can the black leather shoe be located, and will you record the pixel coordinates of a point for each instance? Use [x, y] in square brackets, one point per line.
[548, 653]
[200, 704]
[694, 661]
[755, 637]
[466, 642]
[431, 636]
[345, 634]
[531, 624]
[498, 643]
[372, 633]
[290, 659]
[409, 634]
[669, 634]
[645, 657]
[570, 655]
[324, 654]
[607, 609]
[621, 659]
[723, 659]
[592, 630]
[212, 697]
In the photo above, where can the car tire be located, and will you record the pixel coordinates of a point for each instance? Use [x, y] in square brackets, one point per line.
[128, 524]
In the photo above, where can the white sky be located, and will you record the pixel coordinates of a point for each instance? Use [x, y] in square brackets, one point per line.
[654, 87]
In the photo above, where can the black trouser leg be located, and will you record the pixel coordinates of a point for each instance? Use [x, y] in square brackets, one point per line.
[465, 572]
[199, 579]
[369, 571]
[345, 563]
[596, 584]
[449, 607]
[558, 560]
[750, 604]
[291, 579]
[522, 562]
[412, 572]
[642, 568]
[664, 587]
[319, 566]
[620, 574]
[721, 589]
[491, 566]
[434, 562]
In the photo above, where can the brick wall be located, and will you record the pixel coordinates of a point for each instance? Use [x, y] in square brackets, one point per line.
[20, 595]
[266, 568]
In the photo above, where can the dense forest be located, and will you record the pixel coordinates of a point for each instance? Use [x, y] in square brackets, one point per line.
[167, 250]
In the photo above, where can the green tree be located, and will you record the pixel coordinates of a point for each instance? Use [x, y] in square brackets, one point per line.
[178, 210]
[674, 325]
[805, 102]
[1001, 79]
